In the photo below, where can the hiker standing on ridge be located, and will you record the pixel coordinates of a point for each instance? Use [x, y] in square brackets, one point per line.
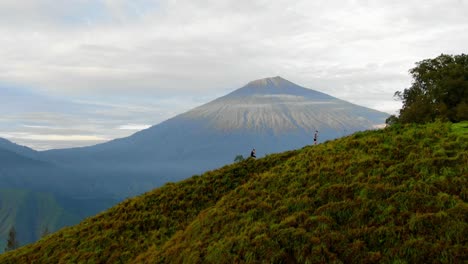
[252, 154]
[315, 137]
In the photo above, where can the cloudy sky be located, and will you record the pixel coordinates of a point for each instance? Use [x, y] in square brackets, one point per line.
[80, 72]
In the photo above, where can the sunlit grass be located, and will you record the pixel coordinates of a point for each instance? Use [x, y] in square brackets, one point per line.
[460, 128]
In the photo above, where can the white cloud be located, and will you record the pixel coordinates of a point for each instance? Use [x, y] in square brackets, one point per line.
[53, 137]
[187, 45]
[134, 127]
[51, 141]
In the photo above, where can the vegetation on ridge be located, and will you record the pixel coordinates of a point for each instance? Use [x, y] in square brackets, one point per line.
[439, 91]
[389, 196]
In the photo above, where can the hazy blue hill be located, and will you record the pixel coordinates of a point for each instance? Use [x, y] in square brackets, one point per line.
[18, 149]
[10, 159]
[31, 212]
[35, 194]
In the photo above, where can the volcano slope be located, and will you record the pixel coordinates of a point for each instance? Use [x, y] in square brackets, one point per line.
[395, 195]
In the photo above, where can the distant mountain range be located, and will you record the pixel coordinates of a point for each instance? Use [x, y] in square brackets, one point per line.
[36, 195]
[10, 159]
[270, 115]
[18, 149]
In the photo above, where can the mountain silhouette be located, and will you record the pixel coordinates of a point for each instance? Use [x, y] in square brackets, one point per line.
[11, 159]
[271, 115]
[19, 149]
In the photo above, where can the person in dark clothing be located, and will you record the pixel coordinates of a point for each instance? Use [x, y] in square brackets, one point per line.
[315, 137]
[252, 153]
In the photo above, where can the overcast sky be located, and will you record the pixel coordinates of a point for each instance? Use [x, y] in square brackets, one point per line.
[80, 72]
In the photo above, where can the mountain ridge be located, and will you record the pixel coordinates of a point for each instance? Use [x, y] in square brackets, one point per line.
[18, 149]
[10, 158]
[276, 85]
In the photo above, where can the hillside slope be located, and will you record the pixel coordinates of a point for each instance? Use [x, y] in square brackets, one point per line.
[18, 149]
[31, 213]
[11, 159]
[35, 195]
[393, 195]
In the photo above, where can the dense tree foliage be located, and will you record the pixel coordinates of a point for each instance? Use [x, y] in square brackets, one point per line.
[396, 195]
[439, 91]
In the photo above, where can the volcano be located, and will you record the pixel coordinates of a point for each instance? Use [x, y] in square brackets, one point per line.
[270, 115]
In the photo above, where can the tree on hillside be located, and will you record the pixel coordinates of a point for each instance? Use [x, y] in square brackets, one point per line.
[439, 90]
[12, 242]
[45, 231]
[238, 158]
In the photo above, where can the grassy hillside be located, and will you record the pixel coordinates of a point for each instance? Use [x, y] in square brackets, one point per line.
[390, 196]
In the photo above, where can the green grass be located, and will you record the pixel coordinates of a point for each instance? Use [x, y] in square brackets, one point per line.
[460, 128]
[396, 195]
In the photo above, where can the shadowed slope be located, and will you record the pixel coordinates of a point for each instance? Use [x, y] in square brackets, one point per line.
[32, 212]
[11, 159]
[382, 196]
[18, 149]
